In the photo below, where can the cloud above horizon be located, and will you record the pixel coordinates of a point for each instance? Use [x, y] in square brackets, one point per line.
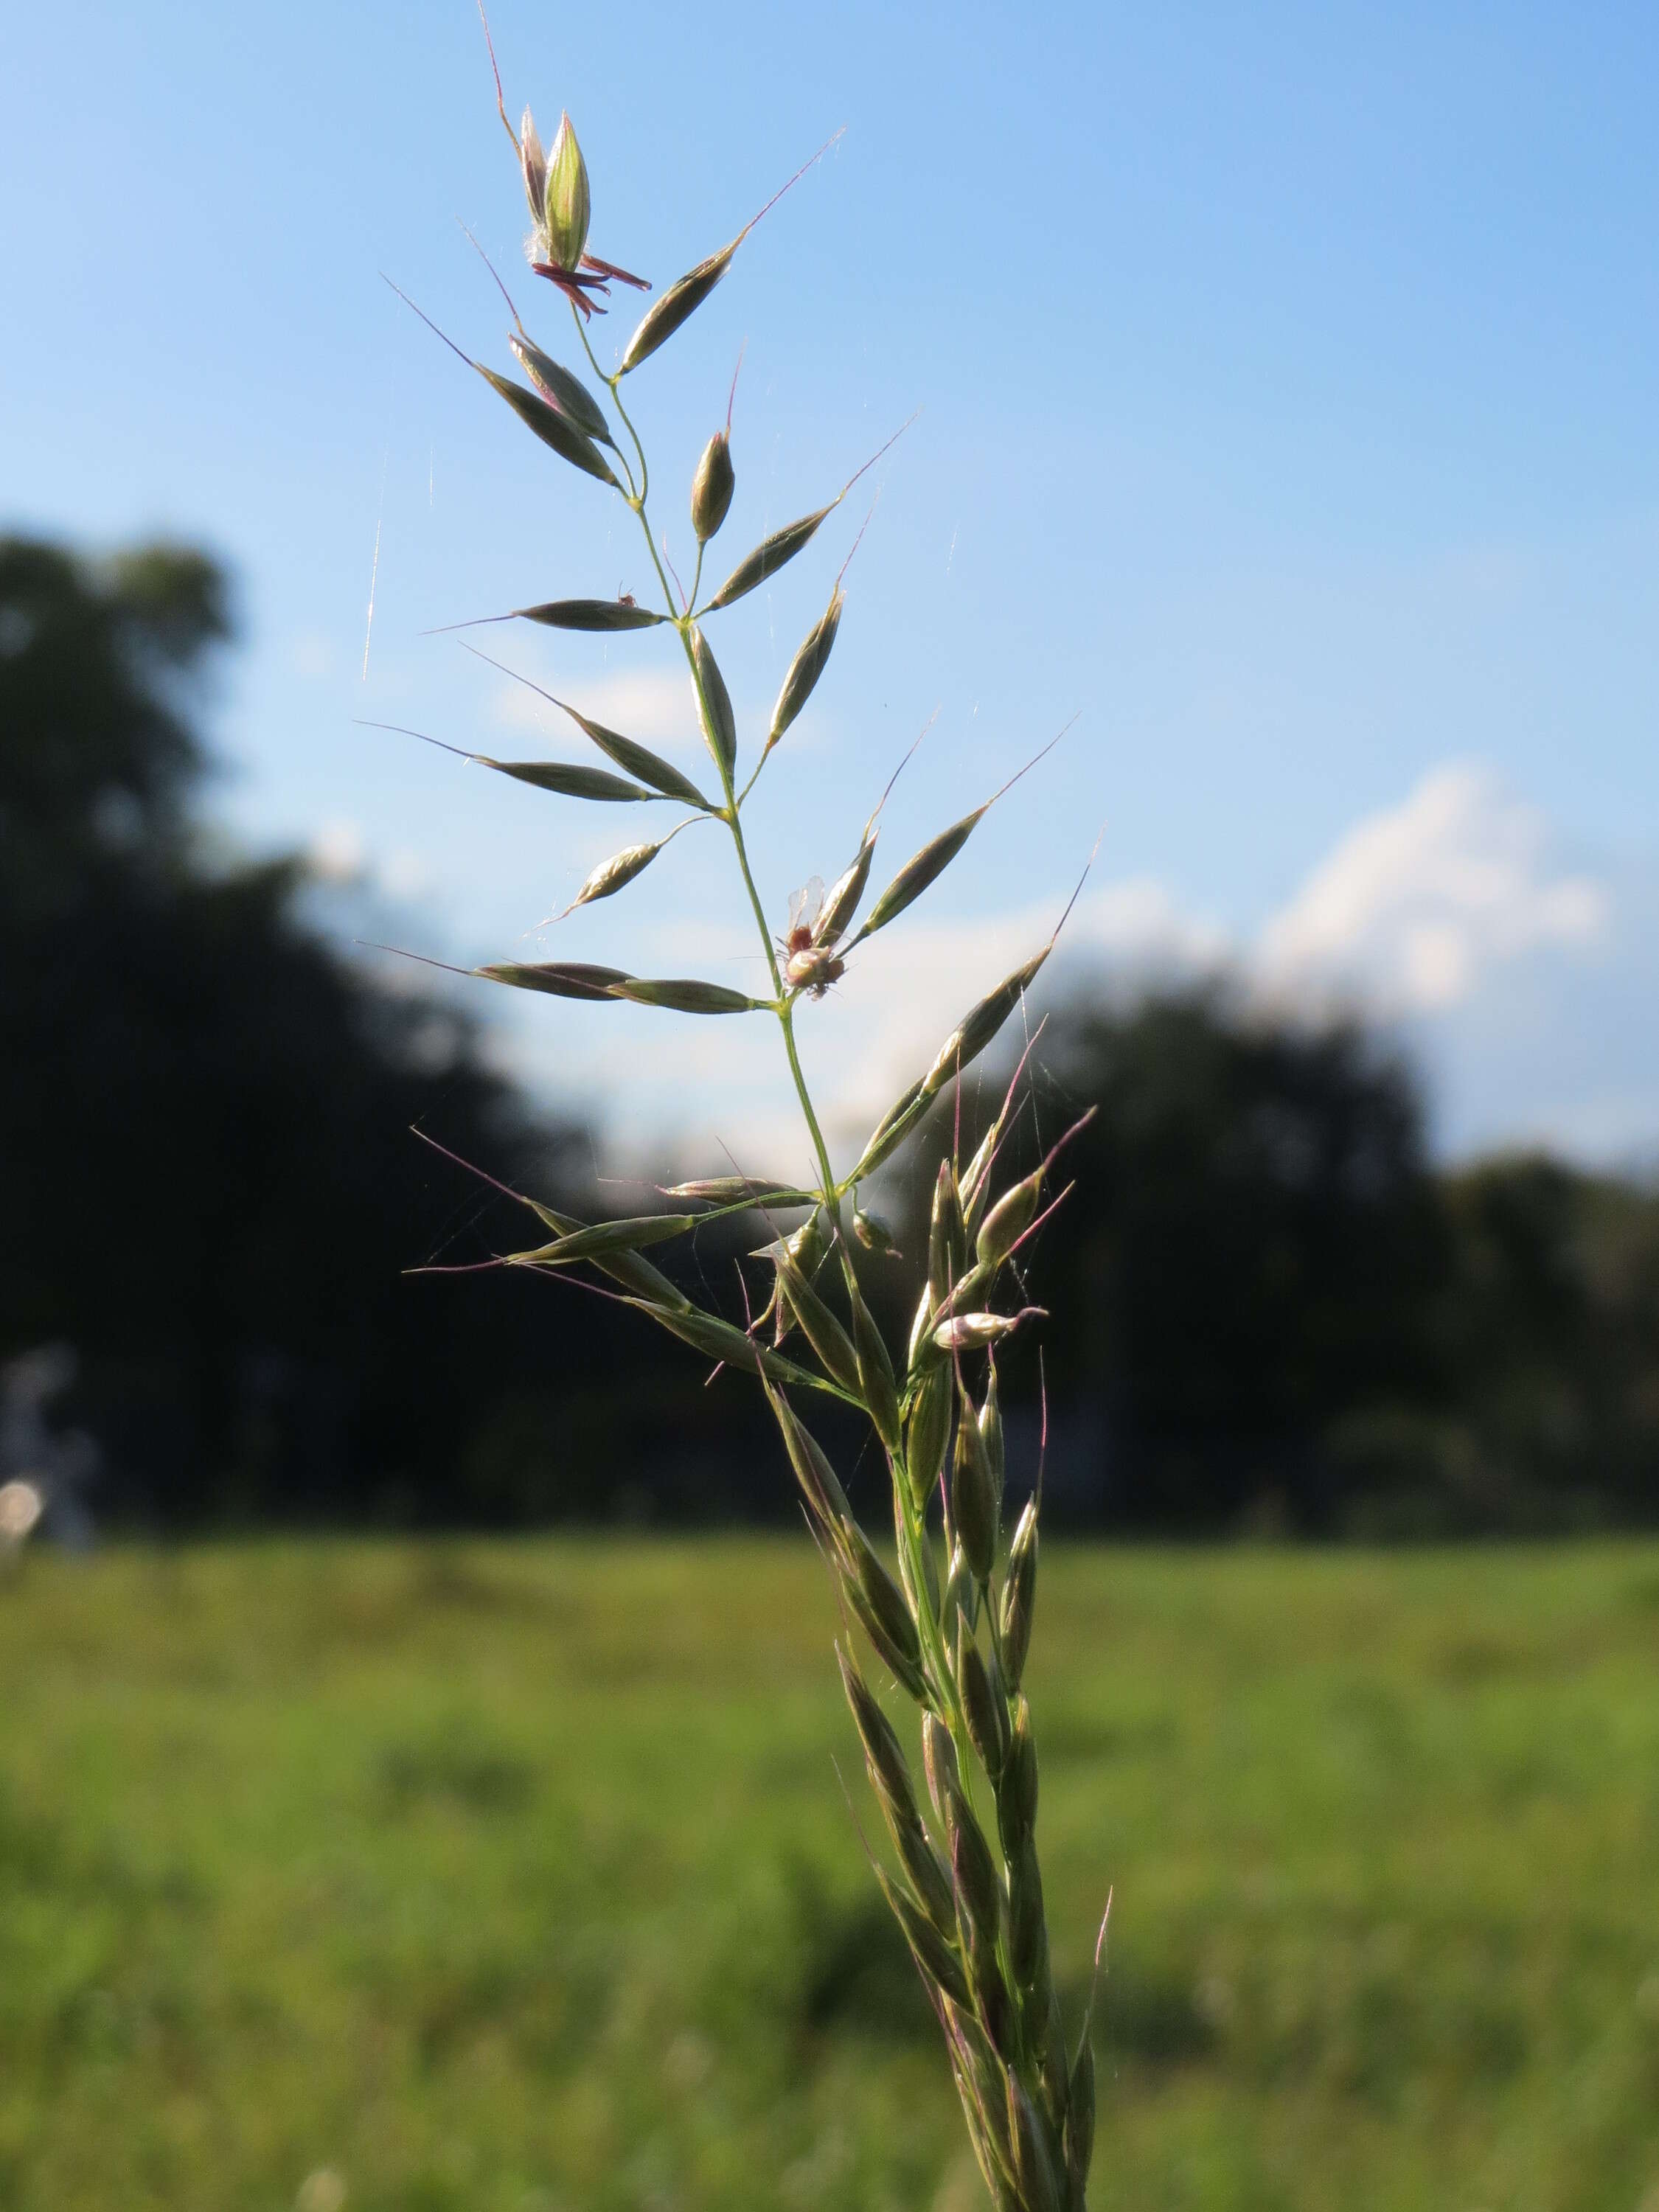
[1451, 918]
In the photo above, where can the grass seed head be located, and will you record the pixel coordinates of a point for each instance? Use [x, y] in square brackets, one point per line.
[981, 1707]
[947, 1239]
[961, 1592]
[1017, 1799]
[990, 1433]
[712, 487]
[720, 725]
[976, 1503]
[1008, 1220]
[1027, 1930]
[929, 1430]
[876, 1381]
[939, 1760]
[974, 1879]
[1032, 2163]
[799, 684]
[932, 1951]
[616, 874]
[874, 1235]
[927, 1877]
[566, 202]
[885, 1602]
[1019, 1594]
[890, 1775]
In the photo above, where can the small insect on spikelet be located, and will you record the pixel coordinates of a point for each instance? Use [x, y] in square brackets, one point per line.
[949, 1623]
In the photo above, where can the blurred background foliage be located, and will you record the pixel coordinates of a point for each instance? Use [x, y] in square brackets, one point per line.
[1274, 1310]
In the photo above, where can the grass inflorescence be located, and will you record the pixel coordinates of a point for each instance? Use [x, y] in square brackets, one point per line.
[950, 1625]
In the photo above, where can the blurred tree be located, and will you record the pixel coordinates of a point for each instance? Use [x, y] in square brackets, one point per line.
[1248, 1253]
[211, 1188]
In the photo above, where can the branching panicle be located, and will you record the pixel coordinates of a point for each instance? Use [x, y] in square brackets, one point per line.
[967, 1888]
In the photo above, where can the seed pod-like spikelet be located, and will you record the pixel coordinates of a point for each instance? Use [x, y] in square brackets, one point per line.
[974, 1877]
[906, 1668]
[925, 1597]
[883, 1601]
[566, 201]
[1037, 2005]
[1079, 2132]
[736, 1190]
[682, 994]
[563, 390]
[639, 760]
[875, 1370]
[981, 1707]
[663, 317]
[568, 779]
[554, 429]
[719, 1339]
[606, 1236]
[648, 1284]
[874, 1235]
[961, 1593]
[932, 1951]
[843, 903]
[980, 2083]
[533, 163]
[980, 1026]
[975, 1178]
[928, 1431]
[720, 727]
[922, 869]
[1033, 2166]
[990, 1435]
[712, 487]
[804, 670]
[819, 1483]
[806, 1246]
[1019, 1595]
[616, 874]
[890, 1774]
[947, 1243]
[973, 1332]
[1027, 1930]
[595, 615]
[768, 557]
[1008, 1220]
[1050, 2046]
[819, 1325]
[926, 1876]
[921, 1355]
[560, 979]
[891, 1131]
[939, 1760]
[975, 1504]
[1017, 1797]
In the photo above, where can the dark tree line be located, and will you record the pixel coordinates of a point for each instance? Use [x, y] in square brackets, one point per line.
[1267, 1305]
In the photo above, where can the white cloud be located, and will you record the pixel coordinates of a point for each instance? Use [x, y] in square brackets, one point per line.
[337, 853]
[1524, 985]
[1417, 902]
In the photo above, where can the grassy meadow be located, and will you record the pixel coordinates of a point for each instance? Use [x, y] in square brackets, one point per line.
[518, 1877]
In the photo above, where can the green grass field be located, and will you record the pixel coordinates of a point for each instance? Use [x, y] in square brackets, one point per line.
[517, 1877]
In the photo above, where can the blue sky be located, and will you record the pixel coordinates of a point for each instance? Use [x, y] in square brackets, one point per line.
[1287, 382]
